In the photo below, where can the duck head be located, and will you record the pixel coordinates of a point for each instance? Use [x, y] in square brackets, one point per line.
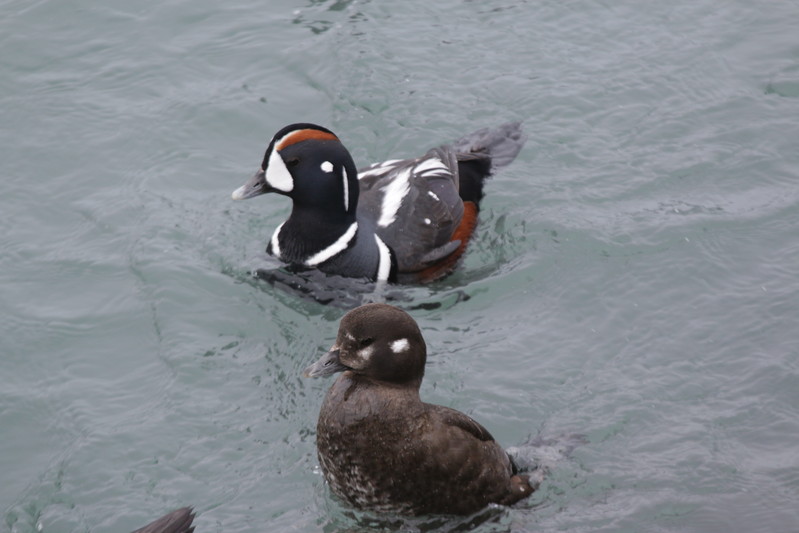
[378, 341]
[309, 164]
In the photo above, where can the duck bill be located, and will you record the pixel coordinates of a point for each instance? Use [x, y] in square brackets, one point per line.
[256, 186]
[327, 365]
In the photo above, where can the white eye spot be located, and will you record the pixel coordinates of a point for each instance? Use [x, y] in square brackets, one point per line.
[400, 345]
[327, 166]
[434, 196]
[427, 221]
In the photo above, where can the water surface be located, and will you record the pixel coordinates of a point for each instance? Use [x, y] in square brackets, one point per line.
[635, 277]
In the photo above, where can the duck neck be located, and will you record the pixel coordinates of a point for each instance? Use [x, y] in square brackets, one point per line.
[311, 236]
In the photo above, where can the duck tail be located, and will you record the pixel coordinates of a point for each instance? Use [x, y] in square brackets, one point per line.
[482, 152]
[500, 144]
[539, 455]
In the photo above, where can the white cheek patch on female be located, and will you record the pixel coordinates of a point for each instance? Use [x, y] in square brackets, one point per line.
[277, 175]
[366, 353]
[400, 345]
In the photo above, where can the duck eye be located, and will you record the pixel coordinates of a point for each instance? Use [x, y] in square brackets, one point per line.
[293, 162]
[367, 341]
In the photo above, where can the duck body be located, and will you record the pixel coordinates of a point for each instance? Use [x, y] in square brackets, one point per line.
[400, 220]
[421, 458]
[381, 448]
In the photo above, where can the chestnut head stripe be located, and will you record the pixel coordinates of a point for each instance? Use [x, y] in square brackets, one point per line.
[303, 135]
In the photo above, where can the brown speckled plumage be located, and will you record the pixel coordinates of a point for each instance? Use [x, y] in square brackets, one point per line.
[381, 448]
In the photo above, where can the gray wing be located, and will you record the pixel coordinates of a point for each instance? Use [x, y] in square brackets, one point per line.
[420, 228]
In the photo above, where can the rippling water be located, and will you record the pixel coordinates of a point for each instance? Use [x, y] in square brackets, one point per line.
[635, 277]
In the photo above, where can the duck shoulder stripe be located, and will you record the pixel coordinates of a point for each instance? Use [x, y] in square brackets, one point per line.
[384, 266]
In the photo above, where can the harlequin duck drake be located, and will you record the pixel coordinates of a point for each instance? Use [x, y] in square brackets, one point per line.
[381, 448]
[401, 220]
[178, 521]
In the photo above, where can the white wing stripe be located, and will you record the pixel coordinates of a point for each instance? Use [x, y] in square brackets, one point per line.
[393, 195]
[432, 165]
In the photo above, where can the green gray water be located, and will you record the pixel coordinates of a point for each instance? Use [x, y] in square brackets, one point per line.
[635, 277]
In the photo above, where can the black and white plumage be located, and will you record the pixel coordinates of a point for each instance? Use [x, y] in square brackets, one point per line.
[400, 220]
[381, 448]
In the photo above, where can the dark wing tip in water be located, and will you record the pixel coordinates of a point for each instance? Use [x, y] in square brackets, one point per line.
[450, 299]
[178, 521]
[314, 285]
[348, 293]
[501, 143]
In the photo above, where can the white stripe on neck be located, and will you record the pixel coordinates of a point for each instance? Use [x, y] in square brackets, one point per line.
[337, 247]
[275, 243]
[346, 190]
